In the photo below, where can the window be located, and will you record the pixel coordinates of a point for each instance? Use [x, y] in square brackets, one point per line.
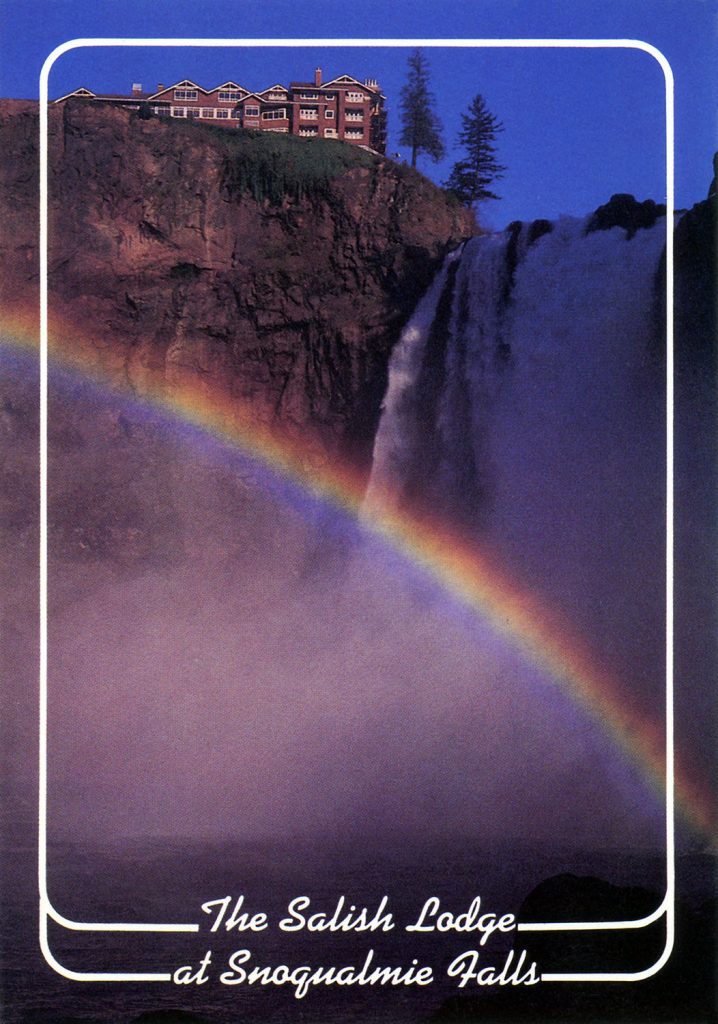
[355, 115]
[309, 113]
[308, 95]
[193, 111]
[309, 132]
[179, 112]
[222, 114]
[329, 114]
[185, 94]
[229, 96]
[276, 96]
[330, 133]
[275, 115]
[207, 111]
[251, 111]
[354, 133]
[160, 110]
[355, 97]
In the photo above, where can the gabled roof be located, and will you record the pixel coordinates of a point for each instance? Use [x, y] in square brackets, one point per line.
[82, 91]
[228, 86]
[274, 88]
[184, 84]
[347, 80]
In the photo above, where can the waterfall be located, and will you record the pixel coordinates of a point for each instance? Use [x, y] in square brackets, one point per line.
[401, 427]
[539, 338]
[525, 406]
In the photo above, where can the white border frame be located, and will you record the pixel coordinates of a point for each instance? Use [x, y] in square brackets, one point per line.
[667, 906]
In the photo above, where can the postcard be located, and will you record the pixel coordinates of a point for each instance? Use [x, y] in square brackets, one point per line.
[358, 513]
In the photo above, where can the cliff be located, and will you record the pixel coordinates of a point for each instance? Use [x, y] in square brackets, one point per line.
[277, 271]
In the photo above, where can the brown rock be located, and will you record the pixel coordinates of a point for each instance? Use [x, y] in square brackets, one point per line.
[162, 274]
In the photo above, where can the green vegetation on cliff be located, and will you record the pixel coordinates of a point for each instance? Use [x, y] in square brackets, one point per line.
[274, 166]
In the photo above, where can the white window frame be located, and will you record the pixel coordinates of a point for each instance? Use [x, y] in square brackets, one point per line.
[229, 95]
[179, 111]
[280, 114]
[308, 113]
[207, 111]
[329, 115]
[251, 111]
[186, 95]
[222, 114]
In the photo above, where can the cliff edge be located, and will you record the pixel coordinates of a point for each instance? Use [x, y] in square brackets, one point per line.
[272, 270]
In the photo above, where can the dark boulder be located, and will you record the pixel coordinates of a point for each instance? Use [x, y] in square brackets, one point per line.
[624, 211]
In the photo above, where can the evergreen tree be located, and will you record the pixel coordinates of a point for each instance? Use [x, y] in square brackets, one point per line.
[471, 177]
[421, 128]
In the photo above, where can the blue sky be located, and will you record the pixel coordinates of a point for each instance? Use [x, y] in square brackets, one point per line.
[578, 124]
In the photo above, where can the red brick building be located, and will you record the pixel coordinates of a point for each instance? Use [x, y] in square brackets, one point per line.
[343, 108]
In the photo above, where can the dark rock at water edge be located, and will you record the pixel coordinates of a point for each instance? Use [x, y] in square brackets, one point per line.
[695, 290]
[625, 211]
[684, 990]
[696, 283]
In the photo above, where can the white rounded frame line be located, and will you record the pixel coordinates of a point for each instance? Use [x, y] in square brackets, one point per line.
[71, 975]
[101, 926]
[593, 926]
[668, 904]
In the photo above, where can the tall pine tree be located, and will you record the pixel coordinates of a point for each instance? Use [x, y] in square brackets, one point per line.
[471, 177]
[421, 128]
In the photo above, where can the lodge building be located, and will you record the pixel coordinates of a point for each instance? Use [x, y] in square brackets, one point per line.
[343, 108]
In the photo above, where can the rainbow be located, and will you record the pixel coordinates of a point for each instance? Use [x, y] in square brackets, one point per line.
[467, 573]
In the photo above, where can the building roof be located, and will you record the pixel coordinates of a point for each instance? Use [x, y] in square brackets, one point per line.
[82, 91]
[348, 80]
[228, 85]
[184, 84]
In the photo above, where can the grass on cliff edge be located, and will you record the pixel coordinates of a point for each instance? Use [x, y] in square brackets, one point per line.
[274, 166]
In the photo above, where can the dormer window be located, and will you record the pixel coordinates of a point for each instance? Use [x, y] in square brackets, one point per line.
[185, 94]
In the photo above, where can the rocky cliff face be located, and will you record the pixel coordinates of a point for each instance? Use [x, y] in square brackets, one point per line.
[164, 272]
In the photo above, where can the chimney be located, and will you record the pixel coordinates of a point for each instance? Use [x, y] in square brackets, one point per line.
[160, 86]
[318, 77]
[136, 89]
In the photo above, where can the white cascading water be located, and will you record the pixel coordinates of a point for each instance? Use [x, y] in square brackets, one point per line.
[537, 339]
[542, 431]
